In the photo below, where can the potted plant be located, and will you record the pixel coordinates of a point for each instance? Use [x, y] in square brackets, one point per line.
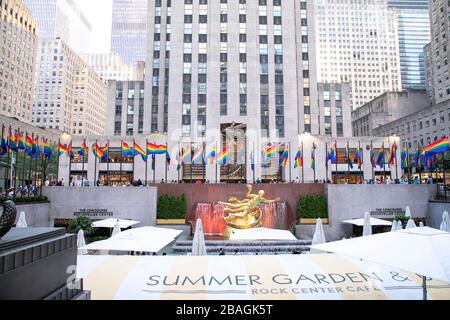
[309, 208]
[171, 210]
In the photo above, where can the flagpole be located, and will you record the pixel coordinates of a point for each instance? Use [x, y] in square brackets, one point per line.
[190, 150]
[348, 159]
[360, 161]
[167, 166]
[121, 161]
[23, 165]
[17, 160]
[107, 165]
[407, 163]
[31, 161]
[146, 162]
[337, 158]
[36, 164]
[371, 160]
[179, 161]
[384, 164]
[420, 171]
[443, 175]
[289, 155]
[216, 162]
[153, 165]
[70, 162]
[303, 166]
[42, 173]
[204, 162]
[95, 169]
[326, 161]
[253, 170]
[396, 166]
[7, 164]
[82, 162]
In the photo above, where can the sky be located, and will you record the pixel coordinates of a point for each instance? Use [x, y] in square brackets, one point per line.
[99, 13]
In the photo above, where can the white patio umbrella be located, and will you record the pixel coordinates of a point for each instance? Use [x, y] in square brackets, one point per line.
[423, 251]
[399, 225]
[373, 221]
[261, 234]
[21, 222]
[411, 224]
[111, 222]
[145, 239]
[116, 229]
[407, 212]
[367, 228]
[445, 225]
[394, 225]
[81, 242]
[319, 235]
[198, 243]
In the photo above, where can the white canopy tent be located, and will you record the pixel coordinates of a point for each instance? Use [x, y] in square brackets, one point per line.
[373, 222]
[111, 222]
[116, 230]
[22, 222]
[319, 235]
[424, 251]
[261, 234]
[198, 243]
[81, 242]
[145, 239]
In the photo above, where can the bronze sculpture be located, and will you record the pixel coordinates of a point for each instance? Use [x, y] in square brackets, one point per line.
[7, 217]
[245, 214]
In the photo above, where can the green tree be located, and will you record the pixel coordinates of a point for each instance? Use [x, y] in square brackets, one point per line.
[81, 222]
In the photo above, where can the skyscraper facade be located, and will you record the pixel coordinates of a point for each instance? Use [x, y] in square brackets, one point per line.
[357, 42]
[413, 35]
[129, 29]
[17, 60]
[61, 19]
[438, 71]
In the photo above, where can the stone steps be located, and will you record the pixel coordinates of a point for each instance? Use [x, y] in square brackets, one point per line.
[244, 247]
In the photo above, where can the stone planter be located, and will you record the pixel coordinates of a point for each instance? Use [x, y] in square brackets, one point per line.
[170, 221]
[311, 220]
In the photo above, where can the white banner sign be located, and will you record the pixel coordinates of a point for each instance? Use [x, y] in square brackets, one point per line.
[277, 277]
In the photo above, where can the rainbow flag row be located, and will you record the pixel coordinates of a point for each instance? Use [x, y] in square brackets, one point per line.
[17, 140]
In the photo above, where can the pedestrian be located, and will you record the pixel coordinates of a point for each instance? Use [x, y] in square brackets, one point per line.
[221, 252]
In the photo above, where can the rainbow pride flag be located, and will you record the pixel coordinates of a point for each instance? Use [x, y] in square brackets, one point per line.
[4, 143]
[372, 156]
[12, 141]
[46, 150]
[380, 159]
[35, 147]
[405, 160]
[156, 148]
[332, 154]
[436, 147]
[313, 157]
[197, 158]
[347, 156]
[418, 158]
[127, 151]
[298, 162]
[212, 155]
[98, 152]
[358, 157]
[186, 156]
[222, 156]
[29, 145]
[139, 151]
[61, 149]
[393, 154]
[20, 143]
[284, 157]
[271, 151]
[83, 150]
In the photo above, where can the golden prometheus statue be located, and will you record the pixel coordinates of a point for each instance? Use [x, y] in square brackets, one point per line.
[245, 214]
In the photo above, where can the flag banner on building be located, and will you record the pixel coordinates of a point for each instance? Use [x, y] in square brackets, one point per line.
[436, 147]
[97, 151]
[405, 160]
[393, 154]
[313, 157]
[298, 162]
[12, 141]
[186, 157]
[418, 158]
[139, 151]
[372, 156]
[380, 159]
[4, 143]
[168, 159]
[212, 156]
[333, 154]
[284, 157]
[240, 154]
[127, 151]
[83, 150]
[270, 151]
[20, 142]
[247, 277]
[358, 157]
[347, 156]
[197, 158]
[222, 156]
[156, 148]
[46, 150]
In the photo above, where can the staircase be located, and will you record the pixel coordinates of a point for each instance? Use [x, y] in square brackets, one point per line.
[213, 247]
